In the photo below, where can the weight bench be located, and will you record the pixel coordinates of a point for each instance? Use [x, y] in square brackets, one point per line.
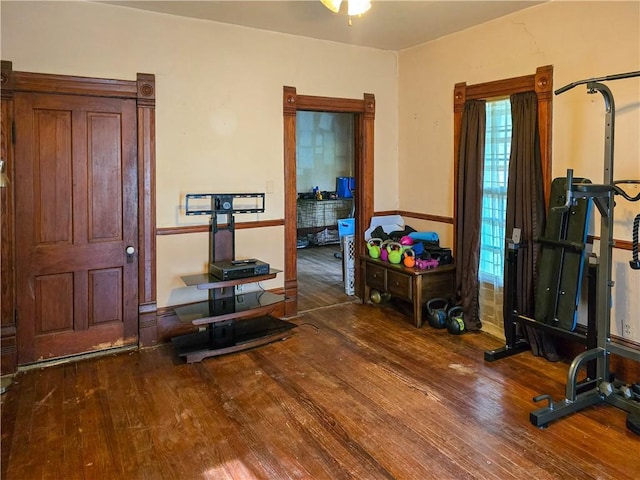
[561, 265]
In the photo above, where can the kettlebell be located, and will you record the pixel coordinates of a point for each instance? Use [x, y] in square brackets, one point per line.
[437, 312]
[379, 297]
[455, 320]
[409, 259]
[395, 252]
[384, 253]
[373, 245]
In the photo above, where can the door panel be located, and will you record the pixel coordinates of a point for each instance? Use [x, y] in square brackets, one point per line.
[76, 213]
[105, 174]
[105, 308]
[54, 303]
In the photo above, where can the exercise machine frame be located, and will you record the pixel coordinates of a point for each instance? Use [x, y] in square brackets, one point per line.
[600, 385]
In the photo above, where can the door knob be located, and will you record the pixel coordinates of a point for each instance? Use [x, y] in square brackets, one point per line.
[130, 251]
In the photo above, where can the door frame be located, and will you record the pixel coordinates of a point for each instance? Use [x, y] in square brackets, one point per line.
[364, 121]
[143, 91]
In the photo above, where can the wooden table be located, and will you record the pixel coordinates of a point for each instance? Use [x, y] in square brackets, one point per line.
[410, 284]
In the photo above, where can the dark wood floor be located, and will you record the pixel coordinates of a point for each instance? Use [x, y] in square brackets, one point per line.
[357, 392]
[320, 280]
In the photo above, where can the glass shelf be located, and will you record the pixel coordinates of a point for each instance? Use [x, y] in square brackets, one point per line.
[250, 333]
[206, 281]
[231, 308]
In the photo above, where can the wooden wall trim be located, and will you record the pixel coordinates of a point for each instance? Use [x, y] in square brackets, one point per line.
[147, 278]
[46, 83]
[179, 230]
[146, 104]
[8, 343]
[364, 171]
[500, 88]
[6, 79]
[338, 105]
[619, 244]
[290, 108]
[543, 86]
[426, 216]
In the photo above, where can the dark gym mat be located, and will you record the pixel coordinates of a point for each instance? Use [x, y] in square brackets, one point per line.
[561, 264]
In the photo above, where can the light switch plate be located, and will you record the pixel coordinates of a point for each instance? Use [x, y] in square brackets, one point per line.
[516, 236]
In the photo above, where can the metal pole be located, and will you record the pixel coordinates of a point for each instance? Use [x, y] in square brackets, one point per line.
[605, 282]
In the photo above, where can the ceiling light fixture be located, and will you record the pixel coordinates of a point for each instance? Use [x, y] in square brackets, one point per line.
[354, 7]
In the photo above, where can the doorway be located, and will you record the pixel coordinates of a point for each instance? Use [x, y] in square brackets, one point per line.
[325, 144]
[364, 119]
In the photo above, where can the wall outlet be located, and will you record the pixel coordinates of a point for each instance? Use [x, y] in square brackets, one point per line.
[627, 331]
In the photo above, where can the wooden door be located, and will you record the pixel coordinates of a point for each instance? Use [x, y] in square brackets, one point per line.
[75, 217]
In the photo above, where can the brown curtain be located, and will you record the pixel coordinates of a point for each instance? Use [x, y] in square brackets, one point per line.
[525, 210]
[469, 187]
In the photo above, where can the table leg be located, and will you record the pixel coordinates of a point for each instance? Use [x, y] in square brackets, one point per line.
[367, 288]
[417, 300]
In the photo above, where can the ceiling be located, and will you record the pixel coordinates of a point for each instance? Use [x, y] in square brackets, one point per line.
[388, 25]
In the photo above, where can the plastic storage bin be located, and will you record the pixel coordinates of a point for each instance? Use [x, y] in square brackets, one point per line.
[346, 226]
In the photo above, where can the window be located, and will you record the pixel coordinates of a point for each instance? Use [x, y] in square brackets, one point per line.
[324, 149]
[486, 279]
[494, 190]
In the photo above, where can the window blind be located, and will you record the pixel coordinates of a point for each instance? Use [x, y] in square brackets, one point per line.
[494, 190]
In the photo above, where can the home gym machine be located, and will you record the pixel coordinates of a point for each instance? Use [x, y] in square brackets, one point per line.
[558, 285]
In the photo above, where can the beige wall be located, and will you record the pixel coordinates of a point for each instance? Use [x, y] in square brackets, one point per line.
[581, 40]
[219, 107]
[219, 117]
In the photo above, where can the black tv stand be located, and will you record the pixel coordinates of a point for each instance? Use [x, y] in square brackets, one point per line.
[227, 321]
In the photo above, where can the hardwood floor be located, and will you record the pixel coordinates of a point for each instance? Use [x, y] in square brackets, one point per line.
[320, 281]
[357, 392]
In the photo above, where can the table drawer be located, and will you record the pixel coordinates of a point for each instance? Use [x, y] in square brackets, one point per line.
[439, 284]
[376, 277]
[399, 285]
